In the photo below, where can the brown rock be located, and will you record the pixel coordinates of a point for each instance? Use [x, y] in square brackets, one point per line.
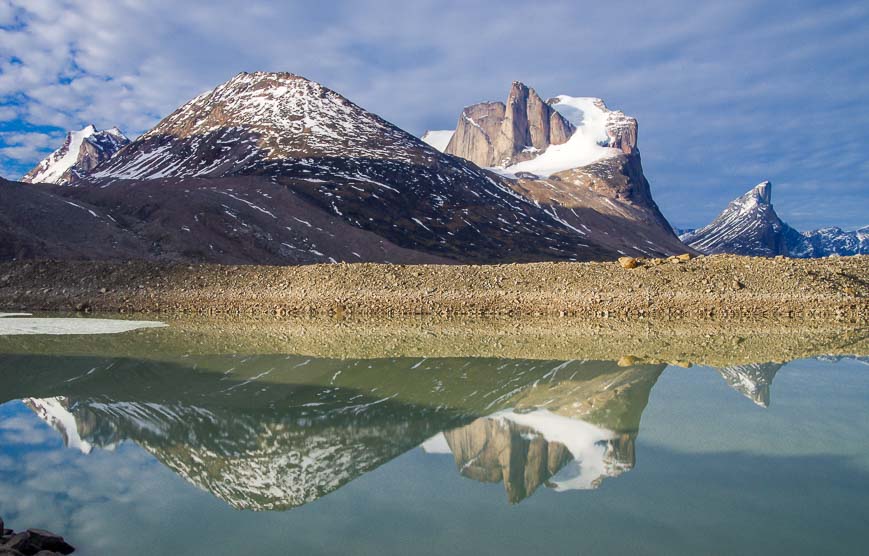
[496, 134]
[628, 262]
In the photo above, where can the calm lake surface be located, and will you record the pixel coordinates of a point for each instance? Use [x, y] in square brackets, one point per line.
[161, 451]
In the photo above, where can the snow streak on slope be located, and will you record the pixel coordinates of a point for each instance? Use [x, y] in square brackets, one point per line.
[52, 169]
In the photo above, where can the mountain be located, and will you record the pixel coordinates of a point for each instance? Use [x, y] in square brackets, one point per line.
[752, 381]
[573, 157]
[273, 168]
[832, 241]
[750, 226]
[81, 152]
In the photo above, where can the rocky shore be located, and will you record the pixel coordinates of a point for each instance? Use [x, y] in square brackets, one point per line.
[715, 287]
[32, 542]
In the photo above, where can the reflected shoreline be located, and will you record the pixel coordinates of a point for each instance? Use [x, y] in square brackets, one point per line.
[683, 343]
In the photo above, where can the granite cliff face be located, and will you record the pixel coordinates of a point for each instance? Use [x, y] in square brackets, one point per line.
[575, 158]
[499, 134]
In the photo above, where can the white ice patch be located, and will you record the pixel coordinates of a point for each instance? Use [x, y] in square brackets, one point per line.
[439, 139]
[437, 444]
[62, 326]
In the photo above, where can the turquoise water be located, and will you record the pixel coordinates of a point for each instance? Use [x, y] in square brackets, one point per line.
[277, 454]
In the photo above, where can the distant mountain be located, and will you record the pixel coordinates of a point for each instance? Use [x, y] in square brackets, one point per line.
[81, 152]
[572, 156]
[752, 381]
[832, 241]
[750, 226]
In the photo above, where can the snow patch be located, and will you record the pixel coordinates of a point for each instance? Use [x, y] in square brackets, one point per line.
[439, 139]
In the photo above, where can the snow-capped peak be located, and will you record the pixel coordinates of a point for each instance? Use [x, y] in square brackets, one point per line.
[55, 412]
[81, 151]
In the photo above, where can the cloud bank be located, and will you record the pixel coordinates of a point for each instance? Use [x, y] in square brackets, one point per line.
[727, 93]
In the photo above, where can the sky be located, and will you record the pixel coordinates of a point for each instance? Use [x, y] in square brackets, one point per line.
[727, 94]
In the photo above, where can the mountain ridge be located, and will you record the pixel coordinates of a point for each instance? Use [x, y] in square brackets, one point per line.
[237, 174]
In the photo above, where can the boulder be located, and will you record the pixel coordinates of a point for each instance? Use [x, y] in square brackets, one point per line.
[628, 262]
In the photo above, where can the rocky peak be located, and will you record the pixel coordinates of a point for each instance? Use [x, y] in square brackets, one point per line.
[81, 152]
[499, 134]
[257, 118]
[748, 226]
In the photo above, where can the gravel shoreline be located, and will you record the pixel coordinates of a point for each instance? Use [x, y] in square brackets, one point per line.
[719, 287]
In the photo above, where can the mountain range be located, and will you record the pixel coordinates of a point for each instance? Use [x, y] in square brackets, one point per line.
[750, 226]
[273, 168]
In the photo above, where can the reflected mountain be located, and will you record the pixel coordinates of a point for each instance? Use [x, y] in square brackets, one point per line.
[277, 432]
[567, 435]
[752, 381]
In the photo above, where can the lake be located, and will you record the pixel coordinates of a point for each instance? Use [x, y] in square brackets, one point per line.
[271, 438]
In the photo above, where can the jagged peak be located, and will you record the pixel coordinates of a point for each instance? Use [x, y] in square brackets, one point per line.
[763, 191]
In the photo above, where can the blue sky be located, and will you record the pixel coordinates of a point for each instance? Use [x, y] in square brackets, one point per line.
[727, 94]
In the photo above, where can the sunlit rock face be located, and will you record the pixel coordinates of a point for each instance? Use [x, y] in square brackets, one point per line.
[499, 134]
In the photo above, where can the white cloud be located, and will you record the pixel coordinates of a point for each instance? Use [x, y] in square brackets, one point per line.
[704, 78]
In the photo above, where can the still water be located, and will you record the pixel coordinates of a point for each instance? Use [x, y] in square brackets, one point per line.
[126, 449]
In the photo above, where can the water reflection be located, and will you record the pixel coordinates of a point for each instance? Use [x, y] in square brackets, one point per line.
[274, 432]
